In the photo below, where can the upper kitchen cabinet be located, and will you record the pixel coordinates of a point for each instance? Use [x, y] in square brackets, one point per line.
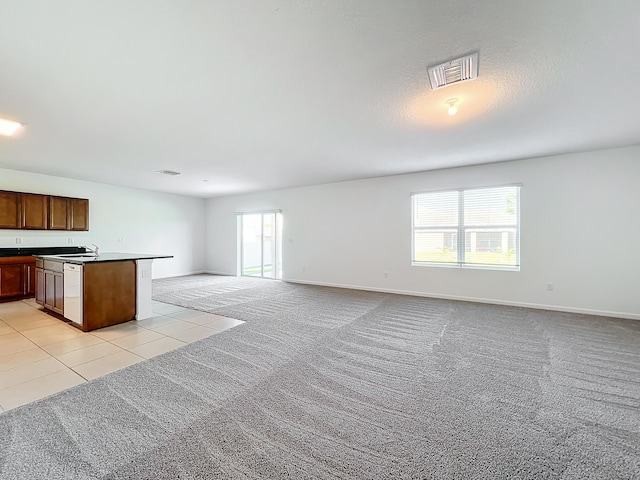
[68, 213]
[34, 211]
[43, 212]
[10, 210]
[58, 213]
[78, 214]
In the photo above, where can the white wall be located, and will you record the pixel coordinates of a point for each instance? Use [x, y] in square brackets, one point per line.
[580, 230]
[120, 220]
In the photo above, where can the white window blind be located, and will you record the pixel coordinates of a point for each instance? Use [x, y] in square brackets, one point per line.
[467, 228]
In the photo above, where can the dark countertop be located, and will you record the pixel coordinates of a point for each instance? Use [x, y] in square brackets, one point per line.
[32, 251]
[103, 257]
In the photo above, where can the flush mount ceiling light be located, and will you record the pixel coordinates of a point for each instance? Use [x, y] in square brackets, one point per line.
[9, 127]
[458, 70]
[453, 108]
[170, 173]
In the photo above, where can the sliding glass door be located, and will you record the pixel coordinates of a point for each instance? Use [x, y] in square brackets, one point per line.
[260, 247]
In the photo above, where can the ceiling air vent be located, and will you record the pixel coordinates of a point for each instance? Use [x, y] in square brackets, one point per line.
[171, 173]
[458, 70]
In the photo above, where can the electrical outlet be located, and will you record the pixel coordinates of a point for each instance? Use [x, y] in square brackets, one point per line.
[304, 268]
[386, 274]
[70, 241]
[549, 287]
[18, 240]
[120, 240]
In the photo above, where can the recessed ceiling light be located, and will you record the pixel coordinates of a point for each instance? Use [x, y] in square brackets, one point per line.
[453, 108]
[9, 127]
[458, 70]
[170, 173]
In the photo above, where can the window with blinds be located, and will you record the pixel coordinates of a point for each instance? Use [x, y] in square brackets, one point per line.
[467, 228]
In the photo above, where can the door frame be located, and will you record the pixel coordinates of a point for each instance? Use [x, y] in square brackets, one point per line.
[277, 238]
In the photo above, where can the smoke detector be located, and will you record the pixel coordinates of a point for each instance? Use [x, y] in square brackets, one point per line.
[170, 173]
[458, 70]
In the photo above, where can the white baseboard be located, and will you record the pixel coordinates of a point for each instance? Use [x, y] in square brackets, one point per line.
[215, 272]
[182, 274]
[557, 308]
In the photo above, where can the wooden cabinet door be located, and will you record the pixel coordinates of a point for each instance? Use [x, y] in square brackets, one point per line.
[29, 276]
[58, 302]
[54, 290]
[49, 289]
[40, 286]
[78, 214]
[11, 280]
[34, 211]
[58, 213]
[10, 210]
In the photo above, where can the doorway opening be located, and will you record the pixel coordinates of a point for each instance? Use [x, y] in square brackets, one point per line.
[260, 244]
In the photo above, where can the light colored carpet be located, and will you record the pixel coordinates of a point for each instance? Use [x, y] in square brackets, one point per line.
[223, 295]
[330, 383]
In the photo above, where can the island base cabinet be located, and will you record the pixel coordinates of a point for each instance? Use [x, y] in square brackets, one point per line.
[40, 284]
[54, 291]
[109, 294]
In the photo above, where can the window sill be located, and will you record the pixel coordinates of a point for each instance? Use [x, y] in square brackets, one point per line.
[466, 267]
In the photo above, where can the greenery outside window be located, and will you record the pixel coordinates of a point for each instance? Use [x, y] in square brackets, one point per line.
[477, 227]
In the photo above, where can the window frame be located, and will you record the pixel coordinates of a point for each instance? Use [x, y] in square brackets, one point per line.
[461, 229]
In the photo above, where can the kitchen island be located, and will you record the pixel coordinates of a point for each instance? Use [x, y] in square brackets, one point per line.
[96, 291]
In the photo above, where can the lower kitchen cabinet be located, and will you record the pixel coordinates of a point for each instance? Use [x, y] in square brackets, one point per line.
[29, 279]
[49, 286]
[39, 283]
[17, 277]
[54, 291]
[11, 280]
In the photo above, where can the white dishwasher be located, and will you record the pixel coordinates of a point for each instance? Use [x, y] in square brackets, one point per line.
[73, 292]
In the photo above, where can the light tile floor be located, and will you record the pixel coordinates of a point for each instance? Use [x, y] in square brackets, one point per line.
[41, 355]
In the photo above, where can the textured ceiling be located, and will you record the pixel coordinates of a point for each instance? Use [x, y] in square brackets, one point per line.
[262, 94]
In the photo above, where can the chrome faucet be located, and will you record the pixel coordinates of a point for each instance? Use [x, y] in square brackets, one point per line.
[93, 251]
